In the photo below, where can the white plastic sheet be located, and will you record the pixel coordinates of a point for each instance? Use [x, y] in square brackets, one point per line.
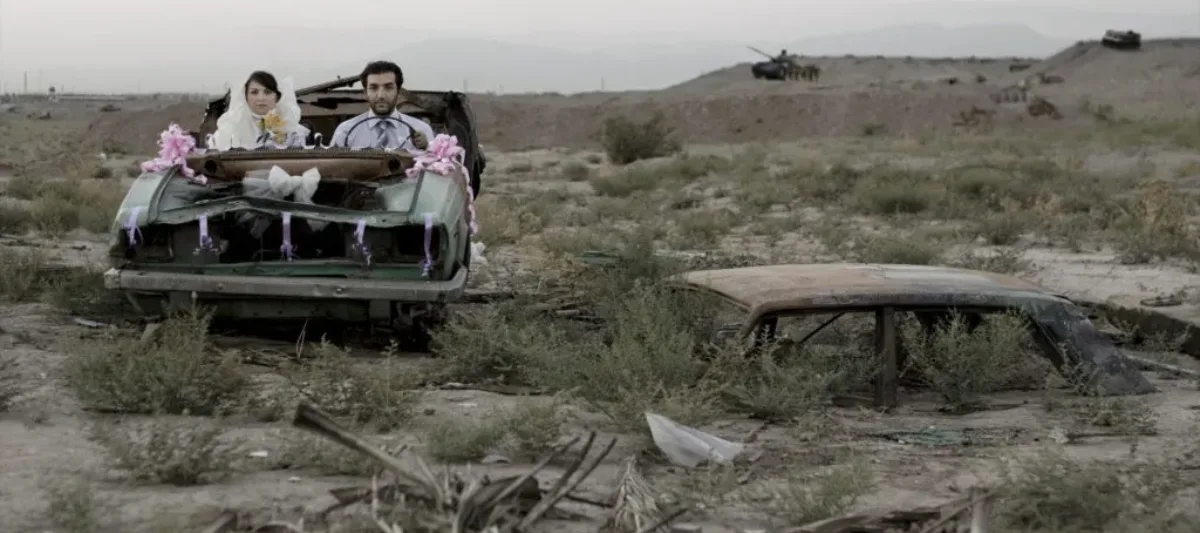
[688, 447]
[477, 258]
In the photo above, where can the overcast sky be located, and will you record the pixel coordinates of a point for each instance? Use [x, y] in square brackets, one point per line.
[55, 37]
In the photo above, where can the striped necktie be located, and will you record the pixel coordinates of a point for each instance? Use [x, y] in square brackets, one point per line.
[384, 139]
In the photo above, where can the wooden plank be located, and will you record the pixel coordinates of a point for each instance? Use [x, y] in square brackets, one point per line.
[886, 390]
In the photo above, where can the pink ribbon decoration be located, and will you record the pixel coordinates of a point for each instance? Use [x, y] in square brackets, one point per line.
[287, 249]
[206, 242]
[427, 264]
[443, 157]
[131, 228]
[174, 146]
[360, 231]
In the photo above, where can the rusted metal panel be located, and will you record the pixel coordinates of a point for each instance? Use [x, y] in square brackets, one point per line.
[284, 287]
[806, 286]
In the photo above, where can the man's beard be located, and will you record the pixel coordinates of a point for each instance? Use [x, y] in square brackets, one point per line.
[385, 106]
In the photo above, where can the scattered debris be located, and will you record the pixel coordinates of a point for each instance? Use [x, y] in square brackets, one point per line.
[447, 502]
[687, 446]
[969, 513]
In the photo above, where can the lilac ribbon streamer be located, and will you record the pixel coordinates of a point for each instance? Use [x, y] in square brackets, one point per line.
[131, 228]
[427, 264]
[206, 242]
[360, 231]
[287, 249]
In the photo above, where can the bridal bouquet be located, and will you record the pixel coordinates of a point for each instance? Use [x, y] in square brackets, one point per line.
[272, 124]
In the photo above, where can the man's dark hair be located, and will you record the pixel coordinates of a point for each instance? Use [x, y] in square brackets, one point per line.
[263, 78]
[382, 67]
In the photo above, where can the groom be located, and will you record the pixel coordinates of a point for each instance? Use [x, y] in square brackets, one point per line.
[381, 81]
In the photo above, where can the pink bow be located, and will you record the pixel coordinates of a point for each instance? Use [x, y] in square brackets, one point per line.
[443, 157]
[174, 146]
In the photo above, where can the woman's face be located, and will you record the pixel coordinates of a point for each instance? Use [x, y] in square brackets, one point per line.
[260, 99]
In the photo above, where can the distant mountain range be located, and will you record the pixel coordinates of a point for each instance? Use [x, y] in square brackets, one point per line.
[489, 65]
[515, 65]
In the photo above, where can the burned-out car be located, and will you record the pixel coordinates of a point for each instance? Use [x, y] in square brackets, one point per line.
[373, 240]
[806, 298]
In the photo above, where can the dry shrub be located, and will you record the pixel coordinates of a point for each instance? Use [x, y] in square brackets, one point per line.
[64, 205]
[162, 452]
[649, 353]
[451, 440]
[503, 222]
[380, 394]
[626, 141]
[14, 218]
[41, 149]
[326, 458]
[1051, 492]
[1158, 226]
[625, 182]
[11, 381]
[784, 381]
[962, 362]
[81, 292]
[21, 274]
[72, 505]
[574, 171]
[890, 191]
[896, 249]
[170, 371]
[1001, 261]
[808, 497]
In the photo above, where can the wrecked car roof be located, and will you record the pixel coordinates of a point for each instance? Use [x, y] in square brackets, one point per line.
[766, 289]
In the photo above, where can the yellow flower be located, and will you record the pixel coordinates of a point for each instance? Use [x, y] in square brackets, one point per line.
[273, 123]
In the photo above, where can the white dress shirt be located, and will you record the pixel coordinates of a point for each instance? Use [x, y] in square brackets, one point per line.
[367, 136]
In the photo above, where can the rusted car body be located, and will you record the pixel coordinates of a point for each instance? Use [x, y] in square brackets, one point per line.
[374, 245]
[1062, 332]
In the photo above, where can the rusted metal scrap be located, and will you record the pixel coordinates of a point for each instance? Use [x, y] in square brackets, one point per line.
[447, 503]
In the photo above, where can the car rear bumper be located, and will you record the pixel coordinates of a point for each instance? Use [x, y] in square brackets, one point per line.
[288, 287]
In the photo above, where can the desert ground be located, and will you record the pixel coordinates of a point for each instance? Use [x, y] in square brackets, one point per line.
[106, 426]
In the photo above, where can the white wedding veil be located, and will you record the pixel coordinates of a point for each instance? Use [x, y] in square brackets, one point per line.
[236, 128]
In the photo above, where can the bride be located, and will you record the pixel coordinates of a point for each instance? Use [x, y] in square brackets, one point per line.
[263, 113]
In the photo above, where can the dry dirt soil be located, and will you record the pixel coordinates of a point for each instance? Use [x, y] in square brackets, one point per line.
[105, 428]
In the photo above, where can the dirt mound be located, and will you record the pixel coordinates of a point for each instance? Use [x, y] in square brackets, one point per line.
[1159, 80]
[734, 119]
[137, 131]
[850, 72]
